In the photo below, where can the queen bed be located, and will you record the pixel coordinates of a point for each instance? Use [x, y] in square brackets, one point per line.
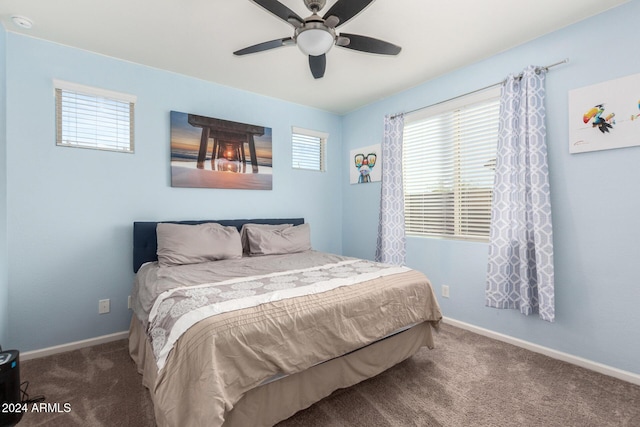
[241, 323]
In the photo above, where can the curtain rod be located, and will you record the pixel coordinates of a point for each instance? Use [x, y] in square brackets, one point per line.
[545, 68]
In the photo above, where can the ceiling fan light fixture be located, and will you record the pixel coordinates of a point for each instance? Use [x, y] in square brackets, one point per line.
[315, 35]
[315, 41]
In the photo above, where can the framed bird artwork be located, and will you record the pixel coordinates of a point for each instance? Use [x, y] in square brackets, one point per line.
[606, 115]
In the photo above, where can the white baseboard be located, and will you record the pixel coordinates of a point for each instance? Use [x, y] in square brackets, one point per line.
[555, 354]
[34, 354]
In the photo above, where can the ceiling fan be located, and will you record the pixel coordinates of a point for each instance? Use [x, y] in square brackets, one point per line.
[315, 35]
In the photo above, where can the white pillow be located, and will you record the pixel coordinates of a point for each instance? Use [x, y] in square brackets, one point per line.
[180, 244]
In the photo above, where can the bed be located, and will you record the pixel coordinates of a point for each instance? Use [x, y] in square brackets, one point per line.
[250, 339]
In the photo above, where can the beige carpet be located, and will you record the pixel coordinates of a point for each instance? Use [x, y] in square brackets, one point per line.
[468, 380]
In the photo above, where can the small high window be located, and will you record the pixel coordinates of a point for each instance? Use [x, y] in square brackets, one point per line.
[88, 117]
[307, 149]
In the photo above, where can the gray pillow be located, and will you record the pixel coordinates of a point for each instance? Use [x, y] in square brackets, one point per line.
[245, 227]
[180, 244]
[279, 241]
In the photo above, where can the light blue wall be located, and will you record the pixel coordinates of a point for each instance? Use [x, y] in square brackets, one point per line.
[66, 214]
[70, 211]
[4, 286]
[594, 196]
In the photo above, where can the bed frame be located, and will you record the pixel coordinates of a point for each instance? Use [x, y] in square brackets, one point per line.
[145, 242]
[277, 400]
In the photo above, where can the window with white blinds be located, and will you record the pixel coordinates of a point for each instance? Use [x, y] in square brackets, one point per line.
[307, 149]
[88, 117]
[449, 154]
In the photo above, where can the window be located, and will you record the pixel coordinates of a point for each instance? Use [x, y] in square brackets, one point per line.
[88, 117]
[307, 149]
[449, 154]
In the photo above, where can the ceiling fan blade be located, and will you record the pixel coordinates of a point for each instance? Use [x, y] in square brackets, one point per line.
[281, 11]
[318, 64]
[369, 44]
[344, 10]
[272, 44]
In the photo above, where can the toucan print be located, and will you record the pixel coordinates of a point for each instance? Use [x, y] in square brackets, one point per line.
[595, 116]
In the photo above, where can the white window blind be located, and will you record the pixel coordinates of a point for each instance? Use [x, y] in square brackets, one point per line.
[307, 149]
[449, 154]
[89, 117]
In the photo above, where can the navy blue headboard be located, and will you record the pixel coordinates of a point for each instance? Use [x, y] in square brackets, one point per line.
[145, 242]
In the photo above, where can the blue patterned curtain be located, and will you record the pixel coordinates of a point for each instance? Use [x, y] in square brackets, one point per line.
[520, 271]
[391, 247]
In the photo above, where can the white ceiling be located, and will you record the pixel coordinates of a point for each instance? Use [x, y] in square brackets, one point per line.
[197, 38]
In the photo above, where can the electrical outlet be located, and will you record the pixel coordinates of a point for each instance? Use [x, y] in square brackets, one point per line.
[104, 306]
[445, 291]
[129, 302]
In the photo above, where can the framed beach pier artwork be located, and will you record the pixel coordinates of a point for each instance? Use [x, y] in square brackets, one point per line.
[605, 115]
[208, 152]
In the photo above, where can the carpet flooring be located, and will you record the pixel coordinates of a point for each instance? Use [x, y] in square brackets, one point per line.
[468, 380]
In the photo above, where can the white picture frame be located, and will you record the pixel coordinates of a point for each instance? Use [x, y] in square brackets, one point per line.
[365, 164]
[605, 116]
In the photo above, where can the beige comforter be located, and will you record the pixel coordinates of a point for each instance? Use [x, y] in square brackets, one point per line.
[220, 358]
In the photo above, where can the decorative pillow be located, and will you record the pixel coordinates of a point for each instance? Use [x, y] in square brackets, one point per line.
[245, 227]
[190, 244]
[279, 241]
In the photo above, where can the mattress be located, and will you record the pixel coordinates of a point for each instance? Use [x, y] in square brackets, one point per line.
[212, 342]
